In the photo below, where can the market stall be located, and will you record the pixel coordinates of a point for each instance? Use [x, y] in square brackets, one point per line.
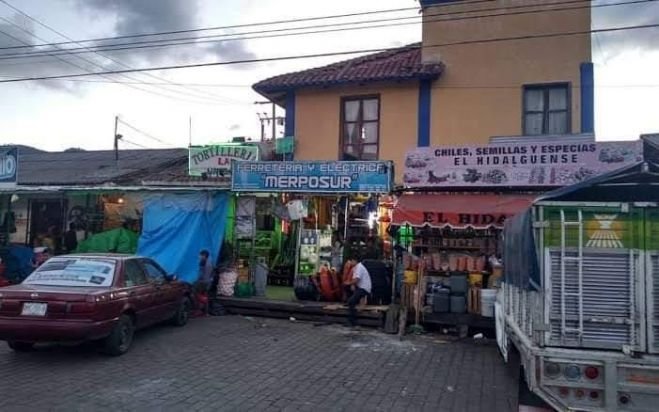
[456, 238]
[450, 219]
[323, 211]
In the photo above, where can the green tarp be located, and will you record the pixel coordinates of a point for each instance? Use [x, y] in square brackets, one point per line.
[112, 241]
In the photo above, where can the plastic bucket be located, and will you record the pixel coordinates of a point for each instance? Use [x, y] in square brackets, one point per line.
[476, 279]
[458, 303]
[409, 276]
[459, 283]
[260, 279]
[441, 301]
[488, 297]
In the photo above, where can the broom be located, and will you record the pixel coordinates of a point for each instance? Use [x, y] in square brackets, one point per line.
[417, 328]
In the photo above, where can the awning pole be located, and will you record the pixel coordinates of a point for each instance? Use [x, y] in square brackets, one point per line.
[345, 225]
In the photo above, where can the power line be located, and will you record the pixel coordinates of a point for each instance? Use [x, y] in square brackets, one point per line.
[133, 143]
[339, 27]
[109, 58]
[341, 53]
[143, 133]
[88, 72]
[574, 86]
[237, 26]
[218, 85]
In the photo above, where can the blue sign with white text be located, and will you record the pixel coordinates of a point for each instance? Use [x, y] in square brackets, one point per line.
[312, 177]
[9, 167]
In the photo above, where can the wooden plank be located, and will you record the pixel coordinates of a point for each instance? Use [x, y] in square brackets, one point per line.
[294, 308]
[303, 317]
[454, 319]
[368, 308]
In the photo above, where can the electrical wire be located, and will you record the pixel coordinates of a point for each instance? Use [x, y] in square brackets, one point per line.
[101, 74]
[341, 53]
[339, 27]
[196, 94]
[143, 133]
[576, 87]
[133, 143]
[236, 26]
[218, 85]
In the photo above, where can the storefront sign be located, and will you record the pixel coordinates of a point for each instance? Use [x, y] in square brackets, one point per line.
[559, 163]
[312, 177]
[478, 211]
[463, 219]
[216, 160]
[9, 167]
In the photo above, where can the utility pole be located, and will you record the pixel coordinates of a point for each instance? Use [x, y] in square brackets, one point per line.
[116, 138]
[265, 118]
[190, 132]
[274, 121]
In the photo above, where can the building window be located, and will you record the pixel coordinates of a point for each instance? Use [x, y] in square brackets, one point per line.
[546, 109]
[360, 128]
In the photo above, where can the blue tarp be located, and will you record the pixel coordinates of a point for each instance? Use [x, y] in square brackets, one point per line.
[177, 227]
[19, 262]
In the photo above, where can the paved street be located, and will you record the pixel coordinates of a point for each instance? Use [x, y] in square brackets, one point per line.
[243, 364]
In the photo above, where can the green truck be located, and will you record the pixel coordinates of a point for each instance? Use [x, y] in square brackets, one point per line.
[579, 306]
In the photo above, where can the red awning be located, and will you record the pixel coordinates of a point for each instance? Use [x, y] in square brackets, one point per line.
[479, 211]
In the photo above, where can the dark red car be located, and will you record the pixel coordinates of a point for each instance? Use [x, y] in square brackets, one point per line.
[91, 297]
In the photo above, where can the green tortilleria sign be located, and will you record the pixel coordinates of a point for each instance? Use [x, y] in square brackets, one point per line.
[215, 160]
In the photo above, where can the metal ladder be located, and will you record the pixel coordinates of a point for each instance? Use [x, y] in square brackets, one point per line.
[565, 224]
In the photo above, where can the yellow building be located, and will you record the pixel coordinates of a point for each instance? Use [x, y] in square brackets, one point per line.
[483, 69]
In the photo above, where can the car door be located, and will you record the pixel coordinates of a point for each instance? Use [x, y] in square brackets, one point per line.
[140, 292]
[167, 294]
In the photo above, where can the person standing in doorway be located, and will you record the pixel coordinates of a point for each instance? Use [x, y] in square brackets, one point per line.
[71, 239]
[361, 285]
[337, 252]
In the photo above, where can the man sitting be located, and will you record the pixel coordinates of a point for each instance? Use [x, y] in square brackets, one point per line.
[361, 285]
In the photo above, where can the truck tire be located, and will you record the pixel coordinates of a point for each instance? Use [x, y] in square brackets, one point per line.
[20, 346]
[525, 396]
[121, 337]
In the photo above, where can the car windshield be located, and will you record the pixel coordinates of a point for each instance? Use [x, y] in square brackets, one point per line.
[73, 271]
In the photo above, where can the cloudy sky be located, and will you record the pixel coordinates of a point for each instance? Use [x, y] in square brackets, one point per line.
[58, 114]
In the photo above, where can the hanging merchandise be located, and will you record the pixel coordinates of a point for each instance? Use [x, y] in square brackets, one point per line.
[405, 236]
[372, 204]
[245, 215]
[297, 209]
[280, 211]
[315, 251]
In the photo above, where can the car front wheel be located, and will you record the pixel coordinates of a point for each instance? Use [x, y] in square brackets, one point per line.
[182, 313]
[20, 346]
[121, 337]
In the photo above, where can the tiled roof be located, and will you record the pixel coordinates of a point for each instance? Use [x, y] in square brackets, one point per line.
[403, 63]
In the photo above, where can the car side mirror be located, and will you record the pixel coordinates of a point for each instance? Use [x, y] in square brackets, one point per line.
[170, 278]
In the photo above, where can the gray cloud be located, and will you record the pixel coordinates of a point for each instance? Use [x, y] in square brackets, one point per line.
[620, 16]
[17, 31]
[148, 16]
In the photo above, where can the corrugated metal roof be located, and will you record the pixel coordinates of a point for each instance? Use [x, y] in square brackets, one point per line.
[174, 173]
[89, 167]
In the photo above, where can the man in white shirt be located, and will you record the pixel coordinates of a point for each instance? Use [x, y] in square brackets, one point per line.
[361, 283]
